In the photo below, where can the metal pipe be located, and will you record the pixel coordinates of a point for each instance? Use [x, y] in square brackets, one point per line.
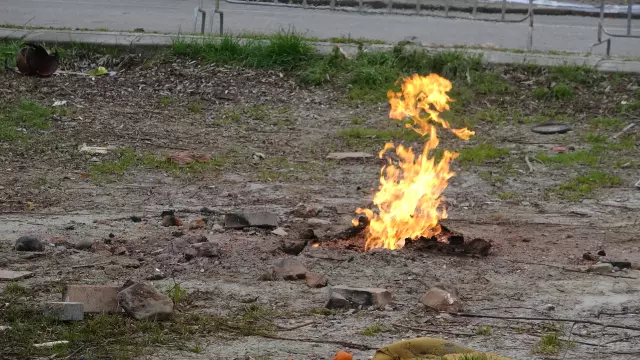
[504, 9]
[221, 23]
[475, 9]
[530, 38]
[418, 7]
[333, 5]
[389, 6]
[359, 5]
[629, 15]
[446, 8]
[203, 25]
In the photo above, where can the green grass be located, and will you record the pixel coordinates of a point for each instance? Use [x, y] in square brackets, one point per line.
[551, 344]
[484, 330]
[507, 195]
[574, 74]
[27, 115]
[606, 123]
[480, 154]
[279, 168]
[562, 92]
[355, 135]
[590, 157]
[583, 186]
[373, 330]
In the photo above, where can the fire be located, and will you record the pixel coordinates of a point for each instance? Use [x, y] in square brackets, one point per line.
[409, 196]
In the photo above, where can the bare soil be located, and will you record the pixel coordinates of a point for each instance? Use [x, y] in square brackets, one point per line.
[48, 188]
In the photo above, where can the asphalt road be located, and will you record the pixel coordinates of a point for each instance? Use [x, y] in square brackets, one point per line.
[560, 33]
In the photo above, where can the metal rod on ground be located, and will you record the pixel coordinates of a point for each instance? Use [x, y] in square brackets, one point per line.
[504, 9]
[629, 15]
[389, 6]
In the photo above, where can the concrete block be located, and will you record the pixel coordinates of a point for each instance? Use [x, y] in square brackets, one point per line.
[65, 311]
[96, 298]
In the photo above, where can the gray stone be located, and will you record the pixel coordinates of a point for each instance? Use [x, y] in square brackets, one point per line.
[279, 232]
[206, 249]
[315, 280]
[64, 311]
[337, 301]
[10, 275]
[318, 223]
[29, 243]
[348, 155]
[377, 297]
[307, 211]
[143, 302]
[285, 269]
[601, 268]
[442, 298]
[262, 220]
[84, 244]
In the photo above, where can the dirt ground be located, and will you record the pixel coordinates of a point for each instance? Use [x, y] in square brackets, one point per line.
[269, 138]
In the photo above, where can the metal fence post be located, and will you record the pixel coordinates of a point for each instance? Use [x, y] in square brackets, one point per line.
[504, 9]
[475, 9]
[418, 7]
[629, 15]
[332, 5]
[359, 5]
[530, 37]
[446, 8]
[389, 6]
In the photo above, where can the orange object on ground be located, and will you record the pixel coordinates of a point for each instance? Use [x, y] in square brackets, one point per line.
[343, 355]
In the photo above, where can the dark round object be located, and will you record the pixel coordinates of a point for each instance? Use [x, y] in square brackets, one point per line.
[551, 128]
[29, 243]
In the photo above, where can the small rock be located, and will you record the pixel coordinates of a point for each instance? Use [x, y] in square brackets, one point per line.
[120, 250]
[96, 298]
[621, 264]
[601, 268]
[348, 155]
[197, 224]
[142, 301]
[308, 234]
[177, 233]
[29, 243]
[388, 307]
[440, 299]
[261, 220]
[207, 249]
[286, 269]
[157, 275]
[292, 247]
[602, 253]
[337, 301]
[84, 244]
[279, 231]
[171, 220]
[363, 296]
[10, 275]
[217, 228]
[316, 280]
[317, 223]
[549, 307]
[306, 211]
[589, 256]
[136, 219]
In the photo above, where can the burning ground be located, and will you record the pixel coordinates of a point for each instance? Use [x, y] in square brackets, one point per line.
[263, 130]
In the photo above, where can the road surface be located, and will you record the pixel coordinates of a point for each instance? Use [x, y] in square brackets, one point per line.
[559, 33]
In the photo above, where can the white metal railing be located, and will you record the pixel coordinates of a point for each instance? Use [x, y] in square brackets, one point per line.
[602, 30]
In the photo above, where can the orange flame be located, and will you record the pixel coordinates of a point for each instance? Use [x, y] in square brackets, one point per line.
[409, 196]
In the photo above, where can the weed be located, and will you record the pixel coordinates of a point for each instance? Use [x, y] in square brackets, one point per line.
[489, 83]
[473, 357]
[19, 120]
[167, 100]
[606, 123]
[583, 185]
[176, 293]
[195, 107]
[14, 289]
[589, 158]
[574, 74]
[373, 330]
[484, 330]
[628, 107]
[507, 195]
[540, 93]
[549, 344]
[562, 92]
[480, 154]
[127, 158]
[492, 116]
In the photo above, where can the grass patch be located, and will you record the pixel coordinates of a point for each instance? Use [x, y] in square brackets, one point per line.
[551, 344]
[480, 154]
[574, 74]
[606, 123]
[279, 168]
[357, 134]
[195, 107]
[19, 120]
[484, 330]
[589, 158]
[562, 92]
[584, 185]
[507, 196]
[373, 330]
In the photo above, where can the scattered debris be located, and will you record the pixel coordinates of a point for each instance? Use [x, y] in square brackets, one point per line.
[51, 344]
[143, 302]
[589, 256]
[93, 149]
[170, 219]
[157, 275]
[318, 223]
[197, 224]
[259, 156]
[443, 298]
[551, 128]
[10, 275]
[315, 280]
[261, 220]
[601, 268]
[303, 210]
[617, 135]
[348, 155]
[29, 243]
[35, 60]
[286, 269]
[96, 298]
[206, 249]
[59, 103]
[620, 264]
[558, 148]
[279, 231]
[64, 311]
[526, 159]
[187, 157]
[377, 297]
[292, 247]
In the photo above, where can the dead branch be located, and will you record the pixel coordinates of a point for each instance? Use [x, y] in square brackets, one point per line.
[526, 159]
[319, 341]
[289, 328]
[570, 270]
[433, 330]
[623, 130]
[535, 318]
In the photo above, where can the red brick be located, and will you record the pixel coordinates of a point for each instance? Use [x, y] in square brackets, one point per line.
[96, 298]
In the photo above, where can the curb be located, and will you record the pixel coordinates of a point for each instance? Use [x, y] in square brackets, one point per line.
[140, 42]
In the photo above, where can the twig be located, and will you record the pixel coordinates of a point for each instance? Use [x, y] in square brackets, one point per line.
[570, 270]
[319, 341]
[90, 265]
[433, 330]
[526, 159]
[534, 318]
[623, 130]
[285, 328]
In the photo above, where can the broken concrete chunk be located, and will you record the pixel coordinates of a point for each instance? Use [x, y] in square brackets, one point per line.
[348, 155]
[96, 298]
[29, 243]
[318, 223]
[441, 299]
[239, 221]
[377, 297]
[64, 311]
[285, 269]
[316, 280]
[10, 275]
[143, 302]
[306, 210]
[337, 301]
[279, 232]
[601, 268]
